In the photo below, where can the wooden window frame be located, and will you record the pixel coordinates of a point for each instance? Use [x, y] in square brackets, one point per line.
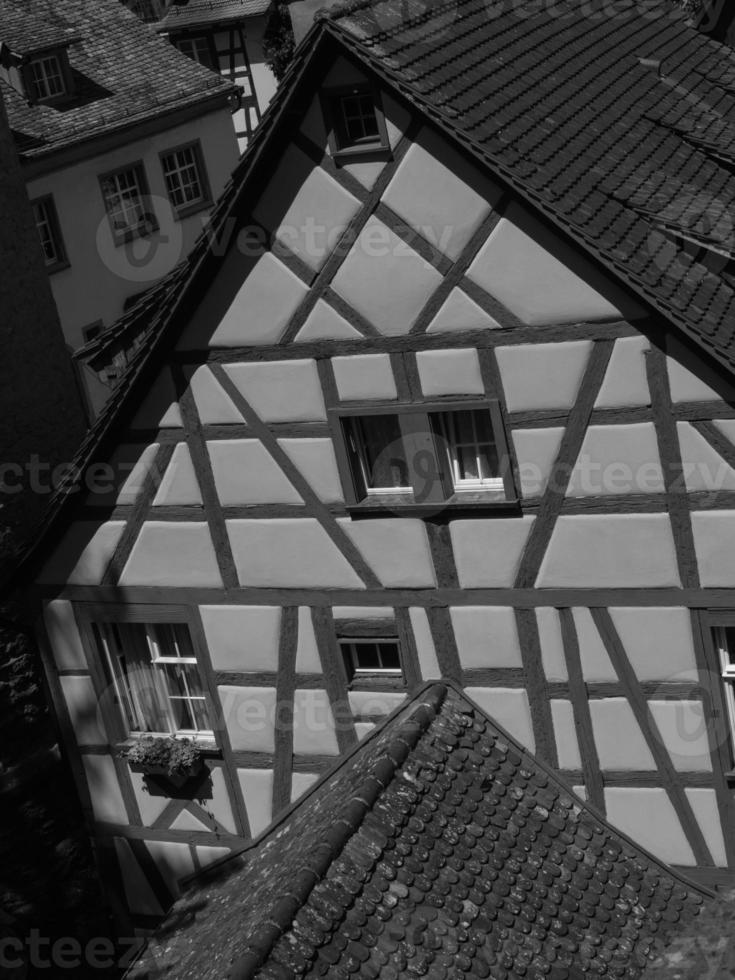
[192, 36]
[185, 210]
[62, 59]
[419, 439]
[47, 201]
[120, 237]
[340, 150]
[714, 621]
[90, 613]
[371, 630]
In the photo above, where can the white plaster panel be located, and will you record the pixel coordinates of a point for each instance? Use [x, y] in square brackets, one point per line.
[288, 552]
[187, 821]
[262, 307]
[305, 207]
[363, 729]
[363, 612]
[207, 854]
[172, 553]
[242, 637]
[374, 703]
[450, 372]
[704, 468]
[537, 376]
[542, 280]
[594, 658]
[324, 323]
[686, 386]
[714, 543]
[552, 646]
[104, 789]
[617, 459]
[647, 815]
[536, 452]
[658, 642]
[509, 708]
[618, 737]
[625, 384]
[726, 427]
[159, 408]
[425, 649]
[139, 895]
[132, 486]
[281, 391]
[307, 651]
[257, 791]
[610, 550]
[313, 723]
[179, 484]
[219, 806]
[682, 728]
[565, 732]
[438, 193]
[458, 312]
[63, 635]
[174, 861]
[151, 807]
[84, 554]
[486, 636]
[364, 376]
[246, 473]
[580, 791]
[84, 713]
[249, 714]
[707, 811]
[300, 783]
[488, 552]
[397, 550]
[385, 280]
[214, 405]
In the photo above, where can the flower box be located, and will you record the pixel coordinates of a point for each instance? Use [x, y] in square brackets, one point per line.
[177, 760]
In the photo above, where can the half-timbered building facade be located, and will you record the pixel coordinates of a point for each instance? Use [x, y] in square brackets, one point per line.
[447, 391]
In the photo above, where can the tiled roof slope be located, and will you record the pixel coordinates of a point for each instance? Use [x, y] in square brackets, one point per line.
[438, 848]
[180, 15]
[123, 71]
[617, 120]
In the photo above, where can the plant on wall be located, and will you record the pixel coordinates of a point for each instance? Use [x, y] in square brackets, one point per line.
[176, 758]
[278, 40]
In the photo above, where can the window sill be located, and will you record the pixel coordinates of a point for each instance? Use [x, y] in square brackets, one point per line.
[180, 214]
[123, 238]
[378, 683]
[57, 267]
[730, 777]
[466, 501]
[372, 152]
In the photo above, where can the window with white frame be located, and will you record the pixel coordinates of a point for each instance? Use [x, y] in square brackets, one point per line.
[425, 454]
[184, 175]
[725, 642]
[371, 657]
[46, 78]
[125, 194]
[198, 49]
[355, 121]
[154, 670]
[49, 232]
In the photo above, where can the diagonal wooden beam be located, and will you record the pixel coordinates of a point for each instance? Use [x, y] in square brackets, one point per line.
[314, 505]
[571, 444]
[652, 735]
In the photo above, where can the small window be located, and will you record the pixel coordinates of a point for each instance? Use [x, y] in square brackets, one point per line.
[378, 454]
[125, 193]
[471, 452]
[371, 657]
[198, 49]
[92, 330]
[183, 172]
[355, 122]
[46, 78]
[725, 643]
[156, 677]
[49, 233]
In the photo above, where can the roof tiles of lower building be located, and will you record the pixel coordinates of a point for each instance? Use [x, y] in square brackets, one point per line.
[439, 848]
[203, 12]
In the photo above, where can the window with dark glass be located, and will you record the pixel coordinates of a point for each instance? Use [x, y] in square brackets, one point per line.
[198, 49]
[355, 121]
[371, 657]
[49, 232]
[46, 78]
[125, 193]
[156, 678]
[378, 454]
[183, 172]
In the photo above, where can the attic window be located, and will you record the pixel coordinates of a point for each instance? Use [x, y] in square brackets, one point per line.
[198, 48]
[371, 657]
[46, 78]
[355, 122]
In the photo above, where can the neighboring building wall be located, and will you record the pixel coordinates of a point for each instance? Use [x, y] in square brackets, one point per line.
[42, 414]
[580, 618]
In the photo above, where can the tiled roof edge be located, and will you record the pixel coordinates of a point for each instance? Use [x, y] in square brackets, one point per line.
[360, 803]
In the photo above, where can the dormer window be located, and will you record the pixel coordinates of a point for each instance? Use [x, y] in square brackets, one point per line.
[355, 121]
[46, 79]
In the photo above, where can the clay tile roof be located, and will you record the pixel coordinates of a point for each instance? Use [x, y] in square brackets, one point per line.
[123, 71]
[180, 15]
[620, 127]
[438, 848]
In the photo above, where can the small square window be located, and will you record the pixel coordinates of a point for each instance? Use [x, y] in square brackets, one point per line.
[198, 49]
[183, 171]
[46, 78]
[377, 454]
[127, 203]
[471, 451]
[49, 232]
[371, 657]
[154, 670]
[355, 122]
